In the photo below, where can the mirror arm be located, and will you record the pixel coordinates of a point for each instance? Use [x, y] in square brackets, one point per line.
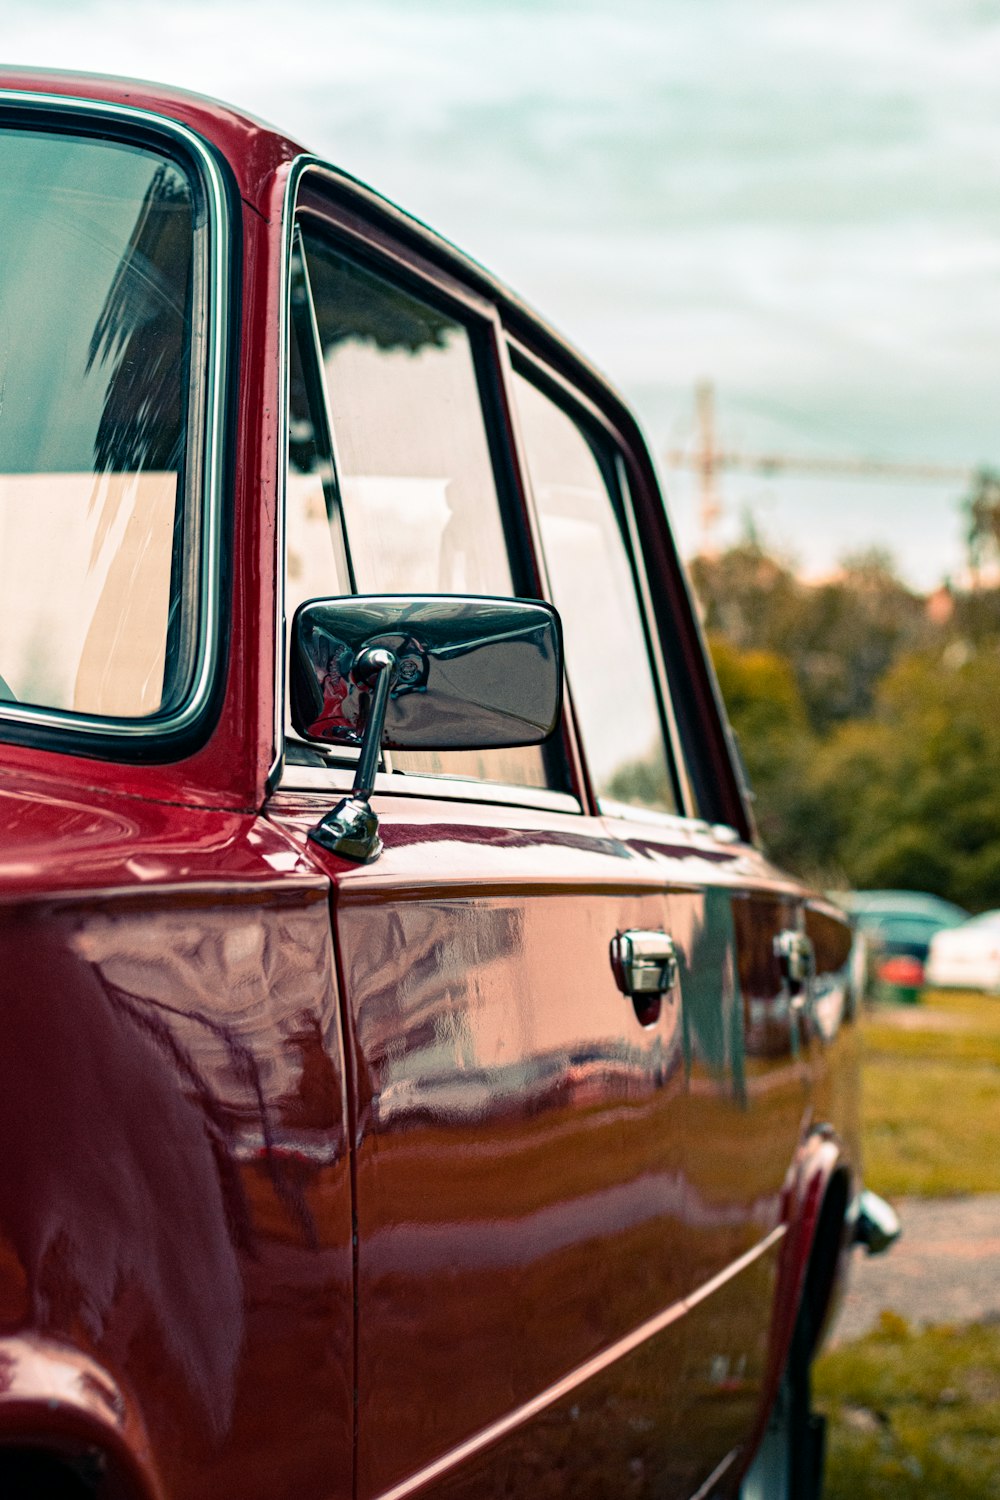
[351, 828]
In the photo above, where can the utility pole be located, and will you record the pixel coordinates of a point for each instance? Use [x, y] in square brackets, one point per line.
[707, 459]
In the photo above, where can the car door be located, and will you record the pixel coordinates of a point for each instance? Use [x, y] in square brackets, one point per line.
[746, 1081]
[517, 1110]
[760, 969]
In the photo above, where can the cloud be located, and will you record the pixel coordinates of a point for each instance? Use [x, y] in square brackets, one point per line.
[786, 195]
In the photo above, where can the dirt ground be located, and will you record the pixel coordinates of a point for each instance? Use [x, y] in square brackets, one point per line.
[945, 1268]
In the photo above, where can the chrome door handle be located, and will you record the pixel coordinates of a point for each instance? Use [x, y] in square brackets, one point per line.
[644, 963]
[794, 952]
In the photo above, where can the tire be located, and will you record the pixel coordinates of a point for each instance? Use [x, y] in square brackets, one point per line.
[33, 1473]
[789, 1462]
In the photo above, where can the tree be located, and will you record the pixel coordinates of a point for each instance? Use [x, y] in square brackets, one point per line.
[912, 796]
[839, 636]
[772, 728]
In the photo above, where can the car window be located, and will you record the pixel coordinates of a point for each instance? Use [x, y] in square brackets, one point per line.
[576, 485]
[95, 353]
[900, 927]
[409, 501]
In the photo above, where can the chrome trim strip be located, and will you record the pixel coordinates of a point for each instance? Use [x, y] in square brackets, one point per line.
[626, 812]
[737, 1267]
[442, 788]
[297, 167]
[579, 1376]
[216, 321]
[708, 1488]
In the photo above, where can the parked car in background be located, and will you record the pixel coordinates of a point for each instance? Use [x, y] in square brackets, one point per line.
[967, 957]
[897, 924]
[415, 1080]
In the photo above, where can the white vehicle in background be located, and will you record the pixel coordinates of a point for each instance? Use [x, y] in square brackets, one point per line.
[967, 957]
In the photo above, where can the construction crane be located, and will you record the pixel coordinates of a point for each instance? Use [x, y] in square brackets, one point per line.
[707, 460]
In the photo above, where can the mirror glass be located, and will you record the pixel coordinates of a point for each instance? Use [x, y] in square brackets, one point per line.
[470, 672]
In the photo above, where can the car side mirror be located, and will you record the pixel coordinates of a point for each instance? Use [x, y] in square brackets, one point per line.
[419, 672]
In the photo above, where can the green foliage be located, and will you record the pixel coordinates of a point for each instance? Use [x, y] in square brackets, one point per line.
[838, 637]
[769, 718]
[912, 1414]
[982, 516]
[912, 794]
[867, 724]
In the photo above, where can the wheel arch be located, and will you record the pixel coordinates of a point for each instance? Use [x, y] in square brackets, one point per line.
[64, 1419]
[817, 1240]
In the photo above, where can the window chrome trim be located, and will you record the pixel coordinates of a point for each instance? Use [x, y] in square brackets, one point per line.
[298, 166]
[213, 371]
[628, 812]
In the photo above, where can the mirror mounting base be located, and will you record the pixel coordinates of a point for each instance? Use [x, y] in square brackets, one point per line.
[350, 829]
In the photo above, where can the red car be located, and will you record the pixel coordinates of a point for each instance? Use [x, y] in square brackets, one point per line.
[415, 1080]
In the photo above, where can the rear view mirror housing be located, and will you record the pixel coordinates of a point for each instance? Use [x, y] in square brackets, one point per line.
[419, 672]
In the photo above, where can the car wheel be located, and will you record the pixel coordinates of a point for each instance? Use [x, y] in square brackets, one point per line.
[789, 1462]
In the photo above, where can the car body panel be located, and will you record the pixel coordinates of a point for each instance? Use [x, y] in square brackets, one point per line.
[339, 1179]
[175, 1185]
[967, 956]
[517, 1140]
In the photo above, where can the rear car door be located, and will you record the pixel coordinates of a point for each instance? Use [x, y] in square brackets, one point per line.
[760, 985]
[742, 1105]
[517, 1112]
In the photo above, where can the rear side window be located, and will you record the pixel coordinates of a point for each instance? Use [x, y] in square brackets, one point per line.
[96, 279]
[578, 488]
[401, 498]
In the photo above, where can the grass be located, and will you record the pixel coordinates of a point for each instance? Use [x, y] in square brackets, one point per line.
[917, 1413]
[912, 1414]
[931, 1096]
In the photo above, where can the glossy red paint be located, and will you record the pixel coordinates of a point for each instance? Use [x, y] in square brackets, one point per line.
[252, 150]
[175, 1185]
[494, 1253]
[325, 1179]
[53, 1396]
[488, 1046]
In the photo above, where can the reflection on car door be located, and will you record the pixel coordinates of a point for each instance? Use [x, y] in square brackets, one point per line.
[515, 1113]
[735, 923]
[518, 1156]
[579, 481]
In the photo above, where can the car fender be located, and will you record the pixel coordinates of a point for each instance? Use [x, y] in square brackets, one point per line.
[815, 1207]
[55, 1398]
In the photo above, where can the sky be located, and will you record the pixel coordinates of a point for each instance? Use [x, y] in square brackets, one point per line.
[797, 202]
